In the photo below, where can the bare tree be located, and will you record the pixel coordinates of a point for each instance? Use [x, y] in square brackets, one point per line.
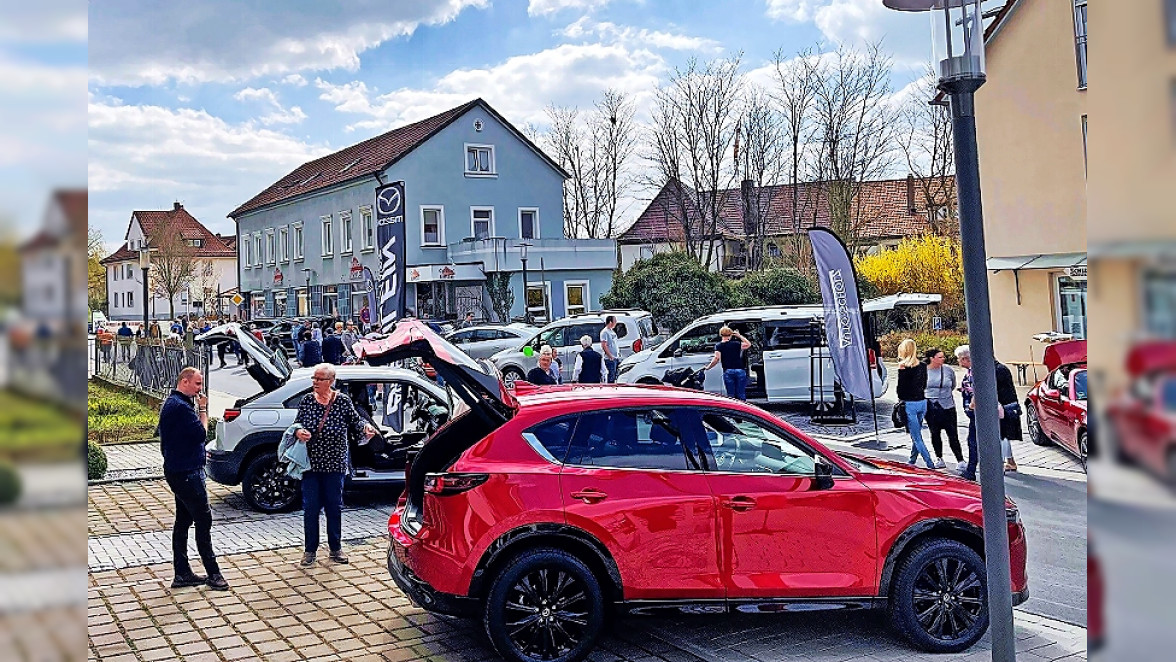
[694, 125]
[173, 265]
[95, 273]
[798, 78]
[855, 132]
[764, 163]
[925, 140]
[206, 279]
[596, 150]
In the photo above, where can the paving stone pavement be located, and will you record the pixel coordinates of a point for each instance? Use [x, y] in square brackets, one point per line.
[275, 531]
[148, 505]
[133, 460]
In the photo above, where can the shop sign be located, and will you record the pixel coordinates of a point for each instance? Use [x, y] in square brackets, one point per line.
[445, 273]
[278, 276]
[1077, 273]
[356, 272]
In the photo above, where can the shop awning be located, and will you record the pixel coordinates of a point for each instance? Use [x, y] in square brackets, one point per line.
[1039, 261]
[1163, 249]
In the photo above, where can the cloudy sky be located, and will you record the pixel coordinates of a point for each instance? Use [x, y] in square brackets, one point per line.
[42, 106]
[210, 102]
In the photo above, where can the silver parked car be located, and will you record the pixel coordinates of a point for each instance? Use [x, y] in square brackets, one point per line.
[482, 342]
[780, 363]
[635, 332]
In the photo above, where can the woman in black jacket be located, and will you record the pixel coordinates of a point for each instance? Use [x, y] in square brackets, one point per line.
[912, 387]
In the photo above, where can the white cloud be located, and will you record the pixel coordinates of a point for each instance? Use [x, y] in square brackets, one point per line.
[520, 87]
[297, 80]
[44, 22]
[279, 114]
[613, 33]
[856, 22]
[228, 41]
[143, 157]
[549, 7]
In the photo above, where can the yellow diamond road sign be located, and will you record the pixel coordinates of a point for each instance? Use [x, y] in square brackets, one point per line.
[237, 299]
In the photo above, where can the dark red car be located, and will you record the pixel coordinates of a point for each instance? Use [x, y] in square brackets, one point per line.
[1055, 408]
[542, 511]
[1143, 418]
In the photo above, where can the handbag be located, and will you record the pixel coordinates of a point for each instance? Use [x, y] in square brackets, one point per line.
[326, 412]
[899, 415]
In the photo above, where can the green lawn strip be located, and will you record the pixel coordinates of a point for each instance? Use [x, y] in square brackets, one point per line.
[117, 415]
[35, 431]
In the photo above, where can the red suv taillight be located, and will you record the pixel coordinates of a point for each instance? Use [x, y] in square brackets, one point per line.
[231, 415]
[636, 345]
[450, 484]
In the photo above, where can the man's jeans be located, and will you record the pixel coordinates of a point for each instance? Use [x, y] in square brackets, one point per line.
[191, 508]
[735, 381]
[973, 452]
[612, 365]
[322, 491]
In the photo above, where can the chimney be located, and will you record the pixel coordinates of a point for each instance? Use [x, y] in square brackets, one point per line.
[750, 209]
[911, 208]
[176, 206]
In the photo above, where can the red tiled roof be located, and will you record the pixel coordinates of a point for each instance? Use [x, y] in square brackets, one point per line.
[75, 206]
[40, 240]
[367, 158]
[178, 220]
[883, 212]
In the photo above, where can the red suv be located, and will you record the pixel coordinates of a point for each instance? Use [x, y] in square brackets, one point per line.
[541, 510]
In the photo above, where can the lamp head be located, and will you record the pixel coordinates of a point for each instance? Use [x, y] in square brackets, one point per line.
[957, 35]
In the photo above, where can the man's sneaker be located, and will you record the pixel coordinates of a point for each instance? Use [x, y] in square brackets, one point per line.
[939, 464]
[190, 579]
[307, 559]
[217, 582]
[339, 557]
[962, 466]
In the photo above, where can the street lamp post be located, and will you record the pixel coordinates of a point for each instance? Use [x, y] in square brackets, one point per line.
[145, 265]
[958, 37]
[523, 246]
[306, 271]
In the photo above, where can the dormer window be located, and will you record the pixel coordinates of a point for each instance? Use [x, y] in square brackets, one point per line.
[196, 243]
[480, 160]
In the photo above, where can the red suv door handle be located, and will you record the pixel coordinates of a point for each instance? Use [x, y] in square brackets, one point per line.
[590, 495]
[740, 503]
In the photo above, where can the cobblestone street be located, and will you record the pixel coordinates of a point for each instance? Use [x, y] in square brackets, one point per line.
[277, 610]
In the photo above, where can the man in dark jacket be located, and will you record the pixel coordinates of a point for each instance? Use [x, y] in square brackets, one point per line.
[1010, 425]
[588, 363]
[183, 428]
[332, 347]
[312, 350]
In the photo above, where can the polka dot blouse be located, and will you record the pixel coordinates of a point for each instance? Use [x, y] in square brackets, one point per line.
[328, 450]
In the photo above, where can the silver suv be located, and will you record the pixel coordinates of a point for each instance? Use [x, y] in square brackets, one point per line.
[404, 405]
[635, 332]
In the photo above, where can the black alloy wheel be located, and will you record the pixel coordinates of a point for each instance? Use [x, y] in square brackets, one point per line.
[1036, 434]
[939, 600]
[1083, 446]
[545, 606]
[266, 486]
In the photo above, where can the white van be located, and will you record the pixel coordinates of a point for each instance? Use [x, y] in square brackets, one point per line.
[780, 363]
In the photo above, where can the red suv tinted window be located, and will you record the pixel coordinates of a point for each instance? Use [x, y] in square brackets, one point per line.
[637, 439]
[553, 436]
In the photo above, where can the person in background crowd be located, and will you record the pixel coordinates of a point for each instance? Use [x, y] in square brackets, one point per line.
[541, 374]
[316, 331]
[177, 328]
[183, 430]
[124, 340]
[365, 317]
[941, 411]
[468, 321]
[349, 338]
[221, 349]
[964, 356]
[326, 418]
[589, 363]
[610, 348]
[312, 350]
[556, 368]
[912, 391]
[332, 348]
[729, 351]
[1010, 425]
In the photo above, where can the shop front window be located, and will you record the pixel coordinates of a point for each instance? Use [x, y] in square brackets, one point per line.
[537, 303]
[1159, 304]
[1072, 306]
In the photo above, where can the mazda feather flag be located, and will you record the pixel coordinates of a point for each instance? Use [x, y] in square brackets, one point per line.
[843, 313]
[390, 235]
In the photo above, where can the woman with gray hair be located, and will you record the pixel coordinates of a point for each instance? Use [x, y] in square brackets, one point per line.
[326, 420]
[963, 355]
[588, 363]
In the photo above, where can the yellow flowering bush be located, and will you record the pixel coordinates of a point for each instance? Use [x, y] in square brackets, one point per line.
[931, 264]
